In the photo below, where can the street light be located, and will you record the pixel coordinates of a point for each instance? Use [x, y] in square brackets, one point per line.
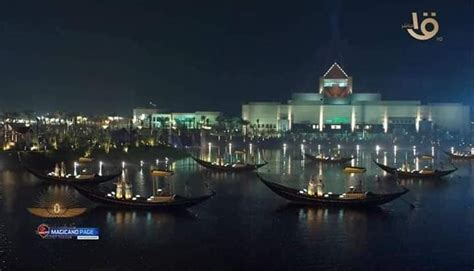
[75, 168]
[100, 168]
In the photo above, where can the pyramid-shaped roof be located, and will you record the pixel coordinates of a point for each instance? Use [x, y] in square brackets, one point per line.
[335, 72]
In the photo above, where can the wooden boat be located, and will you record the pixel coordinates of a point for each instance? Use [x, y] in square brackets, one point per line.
[79, 179]
[351, 169]
[229, 167]
[424, 173]
[328, 159]
[85, 159]
[350, 199]
[425, 156]
[460, 156]
[161, 172]
[162, 202]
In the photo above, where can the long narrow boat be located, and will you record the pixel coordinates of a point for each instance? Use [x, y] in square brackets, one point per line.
[331, 160]
[171, 202]
[425, 156]
[416, 173]
[459, 156]
[367, 199]
[352, 169]
[161, 172]
[81, 179]
[229, 167]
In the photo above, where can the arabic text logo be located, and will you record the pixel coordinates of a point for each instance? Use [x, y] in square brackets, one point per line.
[415, 28]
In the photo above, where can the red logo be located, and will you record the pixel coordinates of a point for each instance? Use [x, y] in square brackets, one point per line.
[42, 230]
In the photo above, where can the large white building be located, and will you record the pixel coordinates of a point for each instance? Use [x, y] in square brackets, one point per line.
[334, 106]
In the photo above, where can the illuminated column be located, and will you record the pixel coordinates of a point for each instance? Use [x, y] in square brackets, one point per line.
[385, 121]
[278, 118]
[321, 118]
[353, 119]
[418, 119]
[100, 168]
[119, 190]
[128, 191]
[289, 117]
[311, 188]
[75, 168]
[209, 151]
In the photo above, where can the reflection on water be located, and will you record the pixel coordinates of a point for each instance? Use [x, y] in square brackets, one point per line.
[246, 216]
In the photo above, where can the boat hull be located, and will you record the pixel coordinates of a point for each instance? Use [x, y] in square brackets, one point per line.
[341, 160]
[459, 157]
[295, 197]
[246, 168]
[354, 170]
[59, 180]
[178, 203]
[401, 174]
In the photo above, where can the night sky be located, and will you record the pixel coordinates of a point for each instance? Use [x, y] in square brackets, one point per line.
[111, 56]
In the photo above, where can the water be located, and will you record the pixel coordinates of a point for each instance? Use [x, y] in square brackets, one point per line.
[246, 226]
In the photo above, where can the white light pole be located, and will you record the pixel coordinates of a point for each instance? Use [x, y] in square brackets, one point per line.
[209, 149]
[100, 168]
[75, 168]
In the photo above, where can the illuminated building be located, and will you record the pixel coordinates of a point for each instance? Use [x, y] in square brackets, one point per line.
[142, 116]
[194, 120]
[335, 107]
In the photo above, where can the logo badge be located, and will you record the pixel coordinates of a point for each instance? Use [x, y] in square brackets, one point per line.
[420, 31]
[42, 230]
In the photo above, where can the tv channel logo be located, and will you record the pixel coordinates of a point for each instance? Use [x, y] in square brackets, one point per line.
[51, 232]
[43, 230]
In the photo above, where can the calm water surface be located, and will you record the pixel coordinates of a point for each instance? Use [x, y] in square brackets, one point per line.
[246, 226]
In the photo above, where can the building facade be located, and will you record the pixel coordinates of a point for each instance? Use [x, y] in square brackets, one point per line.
[196, 120]
[146, 118]
[335, 107]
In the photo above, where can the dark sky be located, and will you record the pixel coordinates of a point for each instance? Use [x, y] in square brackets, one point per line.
[111, 56]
